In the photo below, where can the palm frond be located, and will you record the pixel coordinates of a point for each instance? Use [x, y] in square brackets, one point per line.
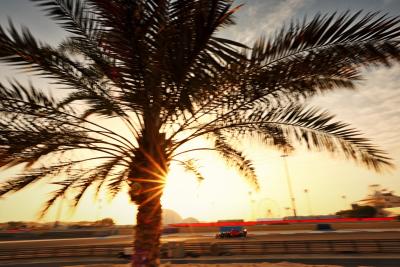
[323, 54]
[80, 180]
[311, 127]
[236, 159]
[330, 31]
[33, 125]
[58, 194]
[98, 60]
[21, 181]
[117, 182]
[198, 56]
[190, 166]
[109, 170]
[74, 16]
[317, 130]
[54, 64]
[24, 51]
[107, 174]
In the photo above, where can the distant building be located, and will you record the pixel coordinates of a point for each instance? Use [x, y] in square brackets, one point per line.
[380, 198]
[268, 219]
[311, 217]
[231, 220]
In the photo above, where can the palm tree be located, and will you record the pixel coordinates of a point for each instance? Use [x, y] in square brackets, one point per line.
[159, 67]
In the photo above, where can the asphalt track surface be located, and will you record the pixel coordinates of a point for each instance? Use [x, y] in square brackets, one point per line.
[342, 260]
[209, 237]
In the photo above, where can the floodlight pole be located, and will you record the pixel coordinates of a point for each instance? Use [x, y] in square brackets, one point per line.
[58, 215]
[344, 200]
[308, 202]
[293, 202]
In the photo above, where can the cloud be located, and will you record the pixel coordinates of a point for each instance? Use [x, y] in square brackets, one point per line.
[387, 2]
[373, 108]
[260, 17]
[280, 14]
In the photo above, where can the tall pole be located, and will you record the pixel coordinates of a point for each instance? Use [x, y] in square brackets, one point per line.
[293, 202]
[58, 215]
[345, 201]
[287, 211]
[308, 202]
[252, 201]
[99, 207]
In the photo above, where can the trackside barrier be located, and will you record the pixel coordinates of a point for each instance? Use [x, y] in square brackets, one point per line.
[252, 223]
[57, 252]
[294, 247]
[216, 249]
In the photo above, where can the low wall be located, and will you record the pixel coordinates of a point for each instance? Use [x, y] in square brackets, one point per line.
[56, 234]
[299, 226]
[194, 230]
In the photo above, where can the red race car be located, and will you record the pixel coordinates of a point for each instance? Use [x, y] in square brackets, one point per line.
[231, 231]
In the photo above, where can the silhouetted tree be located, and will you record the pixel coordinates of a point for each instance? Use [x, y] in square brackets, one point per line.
[358, 212]
[16, 225]
[159, 67]
[106, 222]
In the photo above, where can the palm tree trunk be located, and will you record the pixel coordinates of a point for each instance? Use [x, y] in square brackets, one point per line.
[146, 188]
[148, 232]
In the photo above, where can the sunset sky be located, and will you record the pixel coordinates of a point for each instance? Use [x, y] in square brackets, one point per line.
[374, 109]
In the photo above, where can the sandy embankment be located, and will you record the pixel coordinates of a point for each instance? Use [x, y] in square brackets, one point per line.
[282, 264]
[265, 264]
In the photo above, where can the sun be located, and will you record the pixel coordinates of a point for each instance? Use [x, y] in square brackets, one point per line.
[223, 194]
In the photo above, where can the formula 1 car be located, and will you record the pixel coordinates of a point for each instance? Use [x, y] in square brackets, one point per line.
[232, 232]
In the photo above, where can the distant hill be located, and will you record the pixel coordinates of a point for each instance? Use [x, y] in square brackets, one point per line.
[190, 220]
[171, 216]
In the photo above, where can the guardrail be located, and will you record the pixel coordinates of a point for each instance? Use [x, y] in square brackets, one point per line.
[284, 222]
[295, 247]
[242, 247]
[57, 252]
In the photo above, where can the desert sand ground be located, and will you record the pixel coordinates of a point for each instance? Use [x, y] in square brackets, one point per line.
[265, 264]
[282, 264]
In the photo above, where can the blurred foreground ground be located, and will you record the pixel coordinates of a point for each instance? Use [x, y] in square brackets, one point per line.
[282, 264]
